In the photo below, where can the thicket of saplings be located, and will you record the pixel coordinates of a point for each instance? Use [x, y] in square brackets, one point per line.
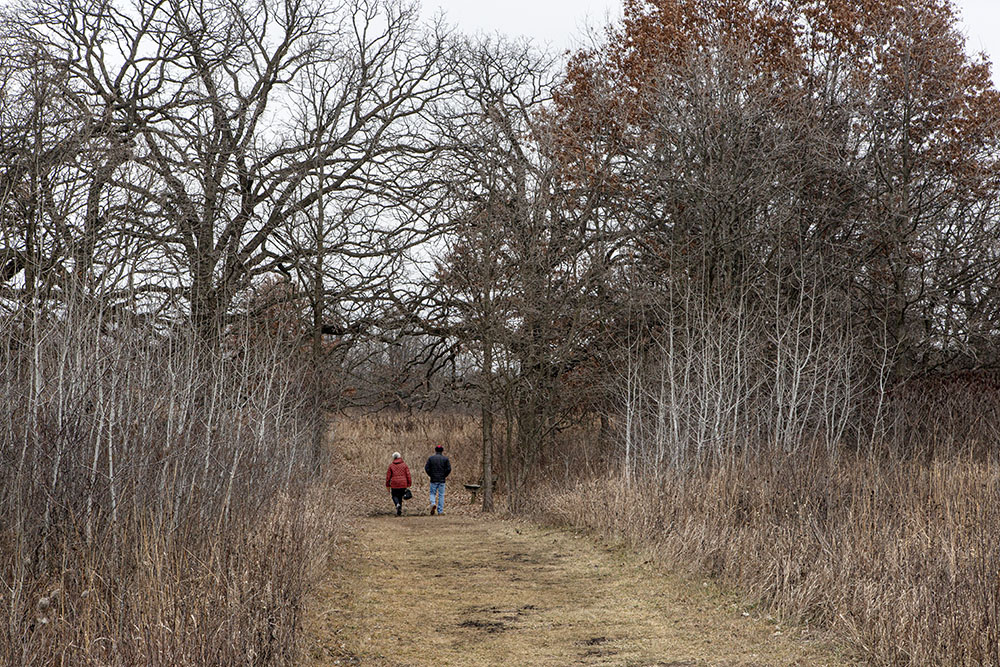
[158, 501]
[758, 455]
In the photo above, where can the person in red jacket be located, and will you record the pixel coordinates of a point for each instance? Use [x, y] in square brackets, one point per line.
[397, 480]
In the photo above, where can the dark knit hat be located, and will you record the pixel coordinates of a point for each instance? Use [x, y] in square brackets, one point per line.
[438, 448]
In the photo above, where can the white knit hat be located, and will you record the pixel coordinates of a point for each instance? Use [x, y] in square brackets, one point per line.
[396, 455]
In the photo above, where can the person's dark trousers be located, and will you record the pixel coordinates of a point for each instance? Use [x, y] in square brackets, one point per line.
[397, 499]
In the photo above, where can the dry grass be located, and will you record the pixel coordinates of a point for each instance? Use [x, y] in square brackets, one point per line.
[900, 558]
[903, 558]
[158, 505]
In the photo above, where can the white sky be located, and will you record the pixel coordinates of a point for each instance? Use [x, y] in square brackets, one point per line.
[561, 23]
[981, 19]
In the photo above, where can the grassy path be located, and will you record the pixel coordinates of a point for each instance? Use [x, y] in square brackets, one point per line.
[468, 590]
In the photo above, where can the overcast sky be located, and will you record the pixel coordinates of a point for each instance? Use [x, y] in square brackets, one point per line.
[561, 23]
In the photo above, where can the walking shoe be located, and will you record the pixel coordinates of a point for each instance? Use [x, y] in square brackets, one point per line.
[399, 510]
[432, 509]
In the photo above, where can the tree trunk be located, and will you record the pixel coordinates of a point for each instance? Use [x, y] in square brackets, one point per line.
[318, 307]
[487, 425]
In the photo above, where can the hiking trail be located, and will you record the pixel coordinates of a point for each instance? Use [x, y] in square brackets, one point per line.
[470, 589]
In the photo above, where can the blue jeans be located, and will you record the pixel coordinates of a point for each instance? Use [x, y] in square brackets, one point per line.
[437, 490]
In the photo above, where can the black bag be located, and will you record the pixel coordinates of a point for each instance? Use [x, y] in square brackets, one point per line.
[407, 495]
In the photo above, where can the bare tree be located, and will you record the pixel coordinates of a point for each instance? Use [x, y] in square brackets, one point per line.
[204, 101]
[521, 276]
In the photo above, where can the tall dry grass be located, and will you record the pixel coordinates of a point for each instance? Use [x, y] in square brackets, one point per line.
[901, 557]
[159, 504]
[367, 440]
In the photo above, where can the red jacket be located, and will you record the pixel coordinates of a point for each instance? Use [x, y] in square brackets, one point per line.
[397, 476]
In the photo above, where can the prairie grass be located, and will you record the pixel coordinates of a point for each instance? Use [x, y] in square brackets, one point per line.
[365, 443]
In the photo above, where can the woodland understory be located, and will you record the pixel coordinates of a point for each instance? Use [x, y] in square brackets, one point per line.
[724, 284]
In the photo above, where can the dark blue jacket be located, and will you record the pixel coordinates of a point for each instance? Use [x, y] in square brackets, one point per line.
[437, 468]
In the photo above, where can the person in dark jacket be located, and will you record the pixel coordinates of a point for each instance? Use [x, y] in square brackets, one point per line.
[397, 480]
[438, 467]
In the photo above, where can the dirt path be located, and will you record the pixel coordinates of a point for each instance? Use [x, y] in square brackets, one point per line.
[467, 590]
